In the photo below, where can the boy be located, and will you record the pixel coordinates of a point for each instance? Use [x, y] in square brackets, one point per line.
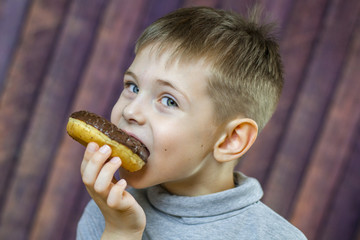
[203, 83]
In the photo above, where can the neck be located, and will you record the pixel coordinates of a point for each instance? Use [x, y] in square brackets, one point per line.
[203, 183]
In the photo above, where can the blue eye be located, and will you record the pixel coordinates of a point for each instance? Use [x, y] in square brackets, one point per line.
[133, 88]
[167, 101]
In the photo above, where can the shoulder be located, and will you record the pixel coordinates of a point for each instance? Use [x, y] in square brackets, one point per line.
[270, 224]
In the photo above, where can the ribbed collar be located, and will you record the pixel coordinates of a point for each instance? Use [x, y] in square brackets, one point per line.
[246, 192]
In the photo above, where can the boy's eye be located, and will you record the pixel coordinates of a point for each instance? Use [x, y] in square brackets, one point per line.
[133, 88]
[168, 101]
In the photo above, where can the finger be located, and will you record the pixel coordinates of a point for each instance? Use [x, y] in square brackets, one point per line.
[104, 179]
[89, 152]
[91, 148]
[95, 164]
[116, 196]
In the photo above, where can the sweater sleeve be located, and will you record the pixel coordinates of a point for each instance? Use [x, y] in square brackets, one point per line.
[91, 224]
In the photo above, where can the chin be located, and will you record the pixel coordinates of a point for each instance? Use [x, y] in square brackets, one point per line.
[134, 179]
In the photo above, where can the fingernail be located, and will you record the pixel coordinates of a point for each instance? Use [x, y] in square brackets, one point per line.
[115, 160]
[91, 147]
[104, 149]
[121, 182]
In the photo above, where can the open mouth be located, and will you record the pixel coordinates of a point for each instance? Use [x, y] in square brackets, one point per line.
[137, 146]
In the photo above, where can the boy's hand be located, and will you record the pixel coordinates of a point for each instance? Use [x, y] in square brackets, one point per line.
[124, 218]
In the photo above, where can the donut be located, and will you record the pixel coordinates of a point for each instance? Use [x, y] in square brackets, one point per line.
[85, 127]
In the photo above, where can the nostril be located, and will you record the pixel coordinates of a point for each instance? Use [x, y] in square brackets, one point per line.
[132, 113]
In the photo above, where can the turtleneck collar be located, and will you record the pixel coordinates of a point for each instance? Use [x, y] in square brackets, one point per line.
[246, 192]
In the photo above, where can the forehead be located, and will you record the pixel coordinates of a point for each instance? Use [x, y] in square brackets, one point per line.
[175, 53]
[168, 61]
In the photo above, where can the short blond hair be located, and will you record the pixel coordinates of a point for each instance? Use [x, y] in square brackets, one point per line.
[243, 56]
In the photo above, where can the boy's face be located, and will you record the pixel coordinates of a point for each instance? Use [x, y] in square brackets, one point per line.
[167, 107]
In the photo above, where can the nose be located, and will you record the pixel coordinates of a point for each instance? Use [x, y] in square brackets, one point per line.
[133, 112]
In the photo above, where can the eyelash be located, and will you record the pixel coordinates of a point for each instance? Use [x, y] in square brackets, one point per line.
[166, 103]
[131, 86]
[128, 85]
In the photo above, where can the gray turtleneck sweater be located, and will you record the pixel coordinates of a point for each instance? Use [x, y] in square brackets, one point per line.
[232, 214]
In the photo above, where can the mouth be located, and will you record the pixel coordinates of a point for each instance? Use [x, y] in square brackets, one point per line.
[137, 146]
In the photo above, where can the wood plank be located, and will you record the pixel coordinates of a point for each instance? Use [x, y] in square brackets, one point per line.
[344, 215]
[311, 107]
[24, 81]
[330, 154]
[12, 15]
[47, 124]
[102, 76]
[296, 50]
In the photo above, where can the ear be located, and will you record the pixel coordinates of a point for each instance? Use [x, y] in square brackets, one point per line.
[238, 137]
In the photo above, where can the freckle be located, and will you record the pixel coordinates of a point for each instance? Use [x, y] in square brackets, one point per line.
[165, 149]
[202, 145]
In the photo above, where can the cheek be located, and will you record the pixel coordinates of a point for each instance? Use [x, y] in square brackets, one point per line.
[167, 143]
[116, 112]
[183, 143]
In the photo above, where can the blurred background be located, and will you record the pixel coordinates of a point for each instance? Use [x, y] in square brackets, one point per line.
[58, 56]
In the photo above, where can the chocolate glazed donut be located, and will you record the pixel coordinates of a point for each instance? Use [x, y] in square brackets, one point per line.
[87, 127]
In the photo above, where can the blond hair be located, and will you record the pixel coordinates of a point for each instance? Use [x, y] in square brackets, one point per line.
[243, 56]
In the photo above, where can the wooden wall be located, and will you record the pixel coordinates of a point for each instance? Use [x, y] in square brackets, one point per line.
[57, 56]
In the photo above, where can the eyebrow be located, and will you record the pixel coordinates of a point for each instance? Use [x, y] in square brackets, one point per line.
[161, 82]
[128, 72]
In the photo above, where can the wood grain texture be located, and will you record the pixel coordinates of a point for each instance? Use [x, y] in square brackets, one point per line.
[312, 105]
[331, 153]
[59, 56]
[342, 217]
[24, 81]
[12, 15]
[46, 126]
